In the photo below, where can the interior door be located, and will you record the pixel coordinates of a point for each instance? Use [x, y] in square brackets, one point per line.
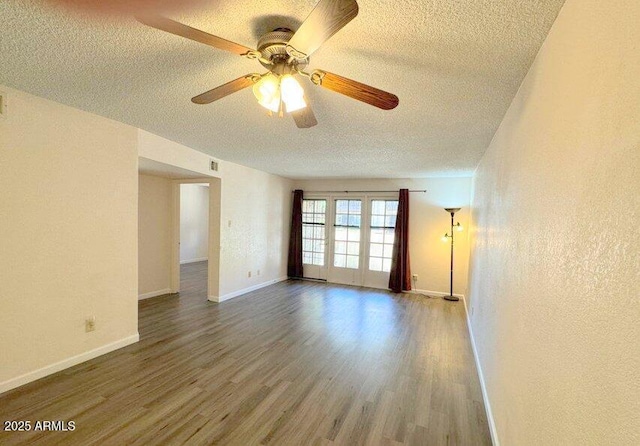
[346, 250]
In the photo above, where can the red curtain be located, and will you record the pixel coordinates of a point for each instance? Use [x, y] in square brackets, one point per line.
[400, 275]
[294, 266]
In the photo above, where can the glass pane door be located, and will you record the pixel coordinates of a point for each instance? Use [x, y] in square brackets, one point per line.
[381, 233]
[314, 235]
[346, 252]
[383, 223]
[346, 243]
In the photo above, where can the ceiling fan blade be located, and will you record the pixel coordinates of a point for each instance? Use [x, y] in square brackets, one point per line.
[226, 89]
[173, 27]
[326, 19]
[355, 90]
[304, 117]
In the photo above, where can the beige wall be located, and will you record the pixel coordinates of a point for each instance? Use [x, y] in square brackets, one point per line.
[68, 236]
[253, 211]
[69, 232]
[427, 224]
[555, 276]
[255, 220]
[162, 150]
[155, 217]
[194, 222]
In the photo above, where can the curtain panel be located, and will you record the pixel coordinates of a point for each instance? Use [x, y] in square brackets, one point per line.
[400, 275]
[294, 264]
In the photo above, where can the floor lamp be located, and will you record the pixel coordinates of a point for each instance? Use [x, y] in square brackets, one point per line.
[445, 238]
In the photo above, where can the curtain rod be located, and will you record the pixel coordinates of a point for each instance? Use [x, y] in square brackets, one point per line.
[354, 191]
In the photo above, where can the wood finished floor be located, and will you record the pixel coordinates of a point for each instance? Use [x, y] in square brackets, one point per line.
[296, 363]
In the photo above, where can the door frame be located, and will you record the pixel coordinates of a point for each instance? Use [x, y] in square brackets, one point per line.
[213, 273]
[366, 198]
[373, 279]
[358, 274]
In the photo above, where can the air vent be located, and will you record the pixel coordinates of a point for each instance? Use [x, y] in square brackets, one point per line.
[214, 165]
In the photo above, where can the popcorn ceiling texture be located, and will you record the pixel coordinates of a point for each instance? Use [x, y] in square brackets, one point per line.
[455, 65]
[555, 270]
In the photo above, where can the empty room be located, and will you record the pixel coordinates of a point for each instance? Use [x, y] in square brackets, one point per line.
[320, 222]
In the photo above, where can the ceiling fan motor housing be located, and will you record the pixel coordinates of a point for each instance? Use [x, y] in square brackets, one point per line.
[273, 47]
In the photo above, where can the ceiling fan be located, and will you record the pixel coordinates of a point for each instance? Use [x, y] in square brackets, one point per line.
[285, 54]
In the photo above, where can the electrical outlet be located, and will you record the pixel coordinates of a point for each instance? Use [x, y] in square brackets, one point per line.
[472, 311]
[258, 272]
[415, 277]
[249, 274]
[90, 324]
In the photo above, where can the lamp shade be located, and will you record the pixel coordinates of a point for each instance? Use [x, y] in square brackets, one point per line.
[267, 92]
[292, 93]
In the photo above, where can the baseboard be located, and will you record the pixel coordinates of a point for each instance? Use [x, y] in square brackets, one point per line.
[434, 293]
[485, 395]
[154, 294]
[66, 363]
[246, 290]
[202, 259]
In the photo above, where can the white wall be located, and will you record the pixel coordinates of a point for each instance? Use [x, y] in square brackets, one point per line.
[253, 209]
[155, 217]
[255, 223]
[555, 275]
[164, 151]
[428, 222]
[68, 236]
[194, 222]
[69, 232]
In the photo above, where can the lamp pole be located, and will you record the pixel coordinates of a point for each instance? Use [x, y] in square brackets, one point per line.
[451, 297]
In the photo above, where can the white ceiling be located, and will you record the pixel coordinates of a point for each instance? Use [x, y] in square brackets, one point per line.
[454, 64]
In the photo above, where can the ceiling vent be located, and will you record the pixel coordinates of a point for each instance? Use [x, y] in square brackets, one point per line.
[213, 166]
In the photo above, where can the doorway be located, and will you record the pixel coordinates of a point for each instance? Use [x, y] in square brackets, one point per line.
[194, 238]
[348, 239]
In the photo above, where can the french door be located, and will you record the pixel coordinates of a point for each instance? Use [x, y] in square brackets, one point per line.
[346, 253]
[349, 239]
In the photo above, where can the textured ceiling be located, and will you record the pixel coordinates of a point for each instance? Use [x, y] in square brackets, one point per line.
[455, 65]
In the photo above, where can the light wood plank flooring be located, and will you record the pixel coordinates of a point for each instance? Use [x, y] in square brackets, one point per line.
[296, 363]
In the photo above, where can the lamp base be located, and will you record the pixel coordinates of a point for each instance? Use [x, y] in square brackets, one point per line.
[451, 298]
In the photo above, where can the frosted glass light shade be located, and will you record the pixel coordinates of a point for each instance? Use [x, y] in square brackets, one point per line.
[267, 92]
[292, 93]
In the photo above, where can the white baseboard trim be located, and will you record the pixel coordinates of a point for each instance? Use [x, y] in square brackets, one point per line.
[485, 395]
[434, 293]
[154, 294]
[202, 259]
[246, 290]
[66, 363]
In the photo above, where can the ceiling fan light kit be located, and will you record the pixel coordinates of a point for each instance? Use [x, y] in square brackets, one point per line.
[272, 91]
[286, 54]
